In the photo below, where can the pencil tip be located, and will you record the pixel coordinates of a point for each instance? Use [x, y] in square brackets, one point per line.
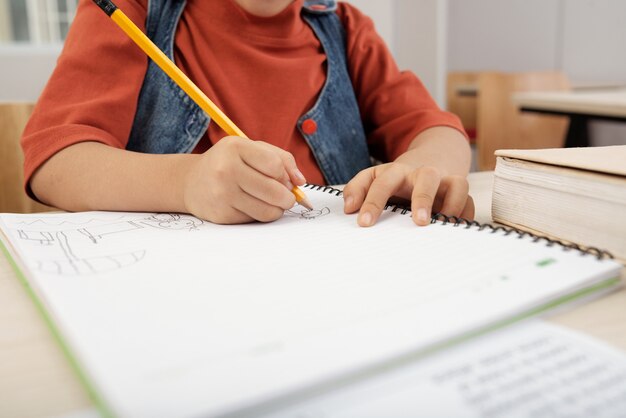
[304, 202]
[301, 198]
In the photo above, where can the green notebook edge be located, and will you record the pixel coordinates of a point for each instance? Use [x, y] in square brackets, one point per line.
[98, 402]
[106, 412]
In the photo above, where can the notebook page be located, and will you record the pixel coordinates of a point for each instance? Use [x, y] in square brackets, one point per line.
[534, 370]
[172, 315]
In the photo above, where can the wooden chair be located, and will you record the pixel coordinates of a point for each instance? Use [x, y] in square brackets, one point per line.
[499, 124]
[13, 118]
[461, 95]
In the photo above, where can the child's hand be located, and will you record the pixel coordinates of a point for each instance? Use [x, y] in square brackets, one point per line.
[238, 180]
[428, 190]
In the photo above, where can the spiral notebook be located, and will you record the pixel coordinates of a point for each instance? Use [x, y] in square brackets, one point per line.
[167, 315]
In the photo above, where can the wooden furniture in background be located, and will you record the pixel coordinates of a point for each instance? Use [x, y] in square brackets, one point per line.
[13, 118]
[499, 124]
[581, 106]
[461, 92]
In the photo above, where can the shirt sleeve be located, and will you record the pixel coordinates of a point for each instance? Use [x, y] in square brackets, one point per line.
[93, 91]
[395, 106]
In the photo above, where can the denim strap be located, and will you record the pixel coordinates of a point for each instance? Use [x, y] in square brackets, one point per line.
[168, 121]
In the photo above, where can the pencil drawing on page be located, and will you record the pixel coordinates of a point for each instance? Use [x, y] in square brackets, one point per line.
[301, 212]
[66, 240]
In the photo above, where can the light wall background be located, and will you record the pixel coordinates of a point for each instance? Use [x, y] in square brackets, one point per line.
[5, 21]
[586, 39]
[416, 32]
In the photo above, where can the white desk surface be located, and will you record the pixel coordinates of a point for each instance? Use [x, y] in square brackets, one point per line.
[604, 102]
[36, 380]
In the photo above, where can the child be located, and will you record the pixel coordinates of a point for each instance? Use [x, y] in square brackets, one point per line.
[311, 82]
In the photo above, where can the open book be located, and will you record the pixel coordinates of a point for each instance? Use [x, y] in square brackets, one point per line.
[530, 370]
[573, 194]
[167, 315]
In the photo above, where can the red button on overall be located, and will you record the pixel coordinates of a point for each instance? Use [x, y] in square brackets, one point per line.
[309, 127]
[318, 7]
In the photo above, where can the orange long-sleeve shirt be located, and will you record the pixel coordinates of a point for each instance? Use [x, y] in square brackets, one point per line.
[264, 72]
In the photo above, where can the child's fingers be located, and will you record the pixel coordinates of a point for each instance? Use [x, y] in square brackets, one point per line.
[355, 191]
[266, 160]
[293, 174]
[266, 189]
[455, 189]
[385, 184]
[256, 208]
[426, 182]
[262, 159]
[469, 209]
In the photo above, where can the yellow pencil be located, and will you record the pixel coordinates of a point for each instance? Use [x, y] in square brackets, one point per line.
[180, 78]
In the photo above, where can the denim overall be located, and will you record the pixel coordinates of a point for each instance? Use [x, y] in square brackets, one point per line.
[168, 121]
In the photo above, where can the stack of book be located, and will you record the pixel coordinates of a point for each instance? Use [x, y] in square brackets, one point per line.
[572, 194]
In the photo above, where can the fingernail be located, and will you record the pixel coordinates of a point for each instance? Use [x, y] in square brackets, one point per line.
[349, 201]
[289, 185]
[422, 215]
[298, 174]
[365, 219]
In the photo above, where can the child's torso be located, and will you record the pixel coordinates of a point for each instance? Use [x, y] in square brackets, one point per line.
[266, 98]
